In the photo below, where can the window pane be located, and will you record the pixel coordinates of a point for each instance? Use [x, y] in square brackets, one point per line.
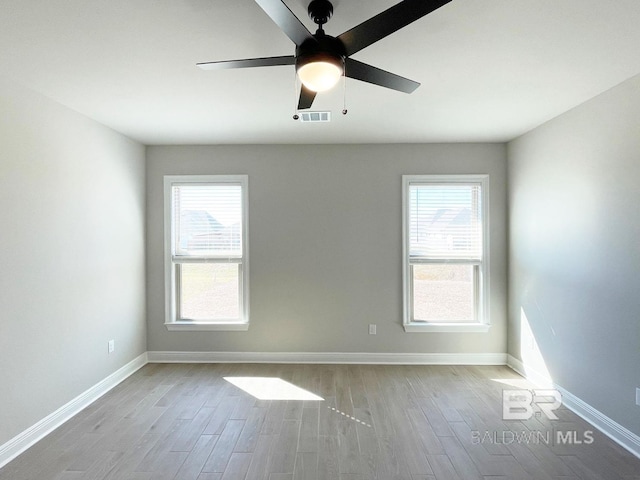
[445, 221]
[443, 293]
[208, 220]
[209, 291]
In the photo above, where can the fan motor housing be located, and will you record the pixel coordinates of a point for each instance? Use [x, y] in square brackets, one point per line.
[321, 48]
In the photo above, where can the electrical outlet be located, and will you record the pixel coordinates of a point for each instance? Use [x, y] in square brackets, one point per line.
[372, 329]
[637, 396]
[112, 346]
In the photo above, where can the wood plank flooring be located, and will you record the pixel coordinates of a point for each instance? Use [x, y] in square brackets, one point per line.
[183, 421]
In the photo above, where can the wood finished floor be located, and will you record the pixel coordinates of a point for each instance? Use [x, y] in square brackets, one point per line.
[182, 421]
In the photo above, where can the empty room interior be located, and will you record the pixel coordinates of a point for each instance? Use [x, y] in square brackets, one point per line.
[294, 239]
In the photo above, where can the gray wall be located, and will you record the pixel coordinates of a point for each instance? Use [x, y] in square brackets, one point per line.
[574, 195]
[325, 245]
[71, 255]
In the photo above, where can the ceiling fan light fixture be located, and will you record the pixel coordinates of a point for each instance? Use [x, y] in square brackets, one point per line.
[321, 59]
[320, 73]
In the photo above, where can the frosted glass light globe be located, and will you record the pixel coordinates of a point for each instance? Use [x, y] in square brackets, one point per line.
[319, 76]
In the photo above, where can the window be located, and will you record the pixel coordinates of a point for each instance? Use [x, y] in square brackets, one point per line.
[206, 252]
[445, 250]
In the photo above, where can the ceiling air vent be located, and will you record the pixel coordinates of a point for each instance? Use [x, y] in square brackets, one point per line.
[315, 117]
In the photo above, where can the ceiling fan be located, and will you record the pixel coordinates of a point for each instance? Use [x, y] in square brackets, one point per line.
[321, 59]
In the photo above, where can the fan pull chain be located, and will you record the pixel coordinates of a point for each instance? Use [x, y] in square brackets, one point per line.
[295, 95]
[344, 87]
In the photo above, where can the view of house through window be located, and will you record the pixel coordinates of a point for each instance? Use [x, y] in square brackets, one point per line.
[207, 258]
[445, 262]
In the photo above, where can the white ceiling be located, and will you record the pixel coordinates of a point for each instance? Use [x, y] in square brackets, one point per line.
[490, 69]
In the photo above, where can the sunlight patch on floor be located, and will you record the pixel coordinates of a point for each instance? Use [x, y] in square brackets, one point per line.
[272, 388]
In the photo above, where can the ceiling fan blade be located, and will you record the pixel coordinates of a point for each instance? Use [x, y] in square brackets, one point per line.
[367, 73]
[387, 22]
[306, 98]
[286, 20]
[248, 62]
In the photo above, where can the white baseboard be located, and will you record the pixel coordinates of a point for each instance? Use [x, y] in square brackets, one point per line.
[534, 376]
[621, 435]
[24, 440]
[330, 357]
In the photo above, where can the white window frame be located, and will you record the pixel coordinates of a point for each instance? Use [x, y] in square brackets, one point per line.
[171, 321]
[482, 302]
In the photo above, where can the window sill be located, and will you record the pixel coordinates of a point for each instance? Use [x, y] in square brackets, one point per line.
[205, 326]
[424, 327]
